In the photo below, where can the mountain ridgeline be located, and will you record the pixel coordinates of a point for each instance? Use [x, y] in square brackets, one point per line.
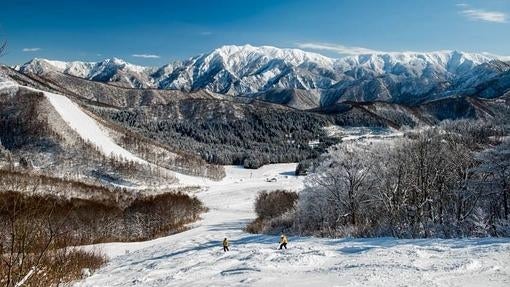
[304, 80]
[258, 105]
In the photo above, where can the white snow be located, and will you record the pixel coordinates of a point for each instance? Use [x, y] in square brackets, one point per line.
[88, 128]
[90, 70]
[195, 258]
[255, 69]
[7, 86]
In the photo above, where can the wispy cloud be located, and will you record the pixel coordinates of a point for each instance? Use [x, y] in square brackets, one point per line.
[147, 56]
[31, 49]
[340, 49]
[482, 15]
[206, 33]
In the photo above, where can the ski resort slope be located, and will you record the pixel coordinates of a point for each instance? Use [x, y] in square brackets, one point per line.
[195, 257]
[87, 127]
[91, 131]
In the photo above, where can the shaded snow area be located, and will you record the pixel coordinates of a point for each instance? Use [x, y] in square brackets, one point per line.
[195, 257]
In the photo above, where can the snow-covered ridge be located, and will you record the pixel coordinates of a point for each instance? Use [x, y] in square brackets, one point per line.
[79, 68]
[108, 70]
[443, 61]
[238, 70]
[240, 54]
[236, 56]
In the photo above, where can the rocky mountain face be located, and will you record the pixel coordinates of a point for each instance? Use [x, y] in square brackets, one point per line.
[300, 79]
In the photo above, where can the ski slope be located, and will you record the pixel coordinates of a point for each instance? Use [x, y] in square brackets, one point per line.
[91, 131]
[195, 257]
[87, 127]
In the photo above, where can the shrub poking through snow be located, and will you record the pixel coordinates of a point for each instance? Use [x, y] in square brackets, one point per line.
[274, 212]
[34, 243]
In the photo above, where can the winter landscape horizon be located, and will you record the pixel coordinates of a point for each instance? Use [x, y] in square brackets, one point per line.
[247, 143]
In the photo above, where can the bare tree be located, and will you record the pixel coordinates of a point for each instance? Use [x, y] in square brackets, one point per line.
[496, 163]
[434, 182]
[340, 189]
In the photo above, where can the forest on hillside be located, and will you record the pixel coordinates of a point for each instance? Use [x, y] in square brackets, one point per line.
[241, 135]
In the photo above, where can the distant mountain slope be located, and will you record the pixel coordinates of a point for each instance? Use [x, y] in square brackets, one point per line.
[113, 71]
[197, 126]
[37, 133]
[281, 75]
[276, 125]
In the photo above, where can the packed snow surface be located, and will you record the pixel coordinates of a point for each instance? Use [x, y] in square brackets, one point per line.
[87, 127]
[195, 257]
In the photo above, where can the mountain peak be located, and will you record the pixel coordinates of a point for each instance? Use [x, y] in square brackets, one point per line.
[114, 61]
[245, 69]
[289, 55]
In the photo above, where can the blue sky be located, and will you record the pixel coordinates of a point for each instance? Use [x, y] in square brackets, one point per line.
[158, 32]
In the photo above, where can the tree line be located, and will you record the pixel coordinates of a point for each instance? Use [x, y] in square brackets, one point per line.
[448, 181]
[256, 137]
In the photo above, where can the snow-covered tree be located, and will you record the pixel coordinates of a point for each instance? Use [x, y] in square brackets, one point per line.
[339, 191]
[495, 163]
[438, 182]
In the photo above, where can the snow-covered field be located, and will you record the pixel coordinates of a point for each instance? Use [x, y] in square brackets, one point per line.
[195, 257]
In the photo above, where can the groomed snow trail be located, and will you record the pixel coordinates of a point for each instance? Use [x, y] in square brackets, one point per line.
[195, 257]
[87, 127]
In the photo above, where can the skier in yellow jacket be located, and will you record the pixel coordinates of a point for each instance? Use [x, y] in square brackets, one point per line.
[283, 241]
[225, 245]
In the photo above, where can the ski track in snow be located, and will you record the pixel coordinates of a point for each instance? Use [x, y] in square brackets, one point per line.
[195, 257]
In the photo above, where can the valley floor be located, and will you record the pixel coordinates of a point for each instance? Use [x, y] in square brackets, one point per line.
[195, 257]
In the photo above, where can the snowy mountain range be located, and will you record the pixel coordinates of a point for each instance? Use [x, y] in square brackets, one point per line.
[249, 71]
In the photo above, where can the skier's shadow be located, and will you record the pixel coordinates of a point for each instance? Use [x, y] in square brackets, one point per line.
[227, 226]
[210, 244]
[216, 244]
